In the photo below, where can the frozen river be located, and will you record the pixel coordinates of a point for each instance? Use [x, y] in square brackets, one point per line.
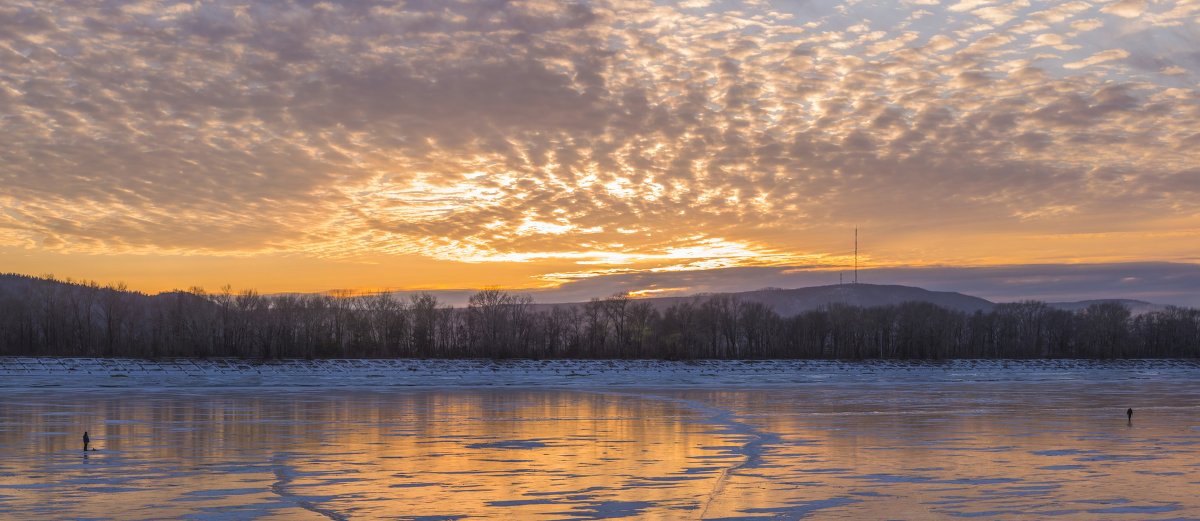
[598, 440]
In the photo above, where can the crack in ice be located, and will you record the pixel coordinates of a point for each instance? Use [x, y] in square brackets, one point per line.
[283, 477]
[751, 449]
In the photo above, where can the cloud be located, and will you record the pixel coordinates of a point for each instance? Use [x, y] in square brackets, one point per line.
[967, 5]
[1053, 40]
[586, 136]
[1100, 57]
[1125, 8]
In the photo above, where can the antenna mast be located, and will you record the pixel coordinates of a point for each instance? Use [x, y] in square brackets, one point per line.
[856, 255]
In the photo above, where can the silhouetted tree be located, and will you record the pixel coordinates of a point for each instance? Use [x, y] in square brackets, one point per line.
[50, 317]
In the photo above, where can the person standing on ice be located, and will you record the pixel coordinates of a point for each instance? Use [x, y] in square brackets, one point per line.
[86, 440]
[1129, 414]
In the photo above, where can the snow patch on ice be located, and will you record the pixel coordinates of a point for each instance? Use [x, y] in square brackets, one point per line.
[28, 372]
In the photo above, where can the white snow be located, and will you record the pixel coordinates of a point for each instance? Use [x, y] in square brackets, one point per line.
[124, 372]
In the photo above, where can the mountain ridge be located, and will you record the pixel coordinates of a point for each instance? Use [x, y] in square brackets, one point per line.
[786, 302]
[790, 302]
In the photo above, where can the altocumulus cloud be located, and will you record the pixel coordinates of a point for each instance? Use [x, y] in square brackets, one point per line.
[620, 135]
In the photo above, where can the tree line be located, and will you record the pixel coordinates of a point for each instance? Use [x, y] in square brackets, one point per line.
[47, 317]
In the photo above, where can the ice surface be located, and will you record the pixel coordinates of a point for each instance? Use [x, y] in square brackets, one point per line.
[598, 440]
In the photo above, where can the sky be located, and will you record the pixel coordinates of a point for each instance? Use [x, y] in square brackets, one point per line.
[1025, 149]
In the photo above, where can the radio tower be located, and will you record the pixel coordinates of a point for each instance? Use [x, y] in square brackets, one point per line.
[856, 255]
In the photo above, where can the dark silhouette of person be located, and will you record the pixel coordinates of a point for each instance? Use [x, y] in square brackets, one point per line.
[1129, 414]
[86, 440]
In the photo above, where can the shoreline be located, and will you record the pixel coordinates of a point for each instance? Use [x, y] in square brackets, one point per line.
[64, 373]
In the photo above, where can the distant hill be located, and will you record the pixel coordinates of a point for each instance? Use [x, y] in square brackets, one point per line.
[786, 302]
[21, 287]
[790, 302]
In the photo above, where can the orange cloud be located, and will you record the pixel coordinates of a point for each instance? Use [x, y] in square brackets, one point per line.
[549, 141]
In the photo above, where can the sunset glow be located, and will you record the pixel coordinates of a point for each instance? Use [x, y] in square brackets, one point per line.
[539, 145]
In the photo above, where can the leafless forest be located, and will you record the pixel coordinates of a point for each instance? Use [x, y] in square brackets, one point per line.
[48, 317]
